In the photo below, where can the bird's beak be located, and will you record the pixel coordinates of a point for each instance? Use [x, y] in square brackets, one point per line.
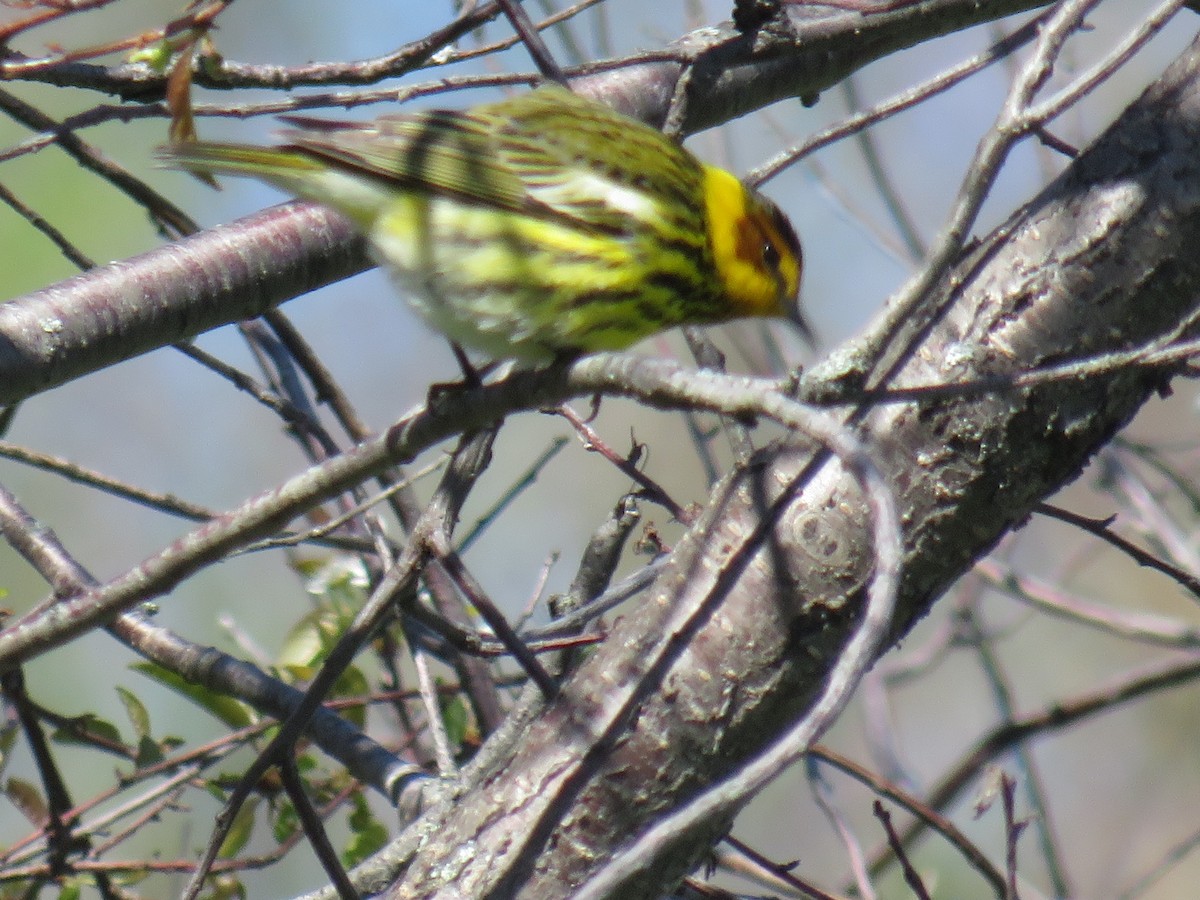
[796, 317]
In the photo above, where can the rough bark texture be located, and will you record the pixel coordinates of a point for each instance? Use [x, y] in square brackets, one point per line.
[127, 308]
[752, 618]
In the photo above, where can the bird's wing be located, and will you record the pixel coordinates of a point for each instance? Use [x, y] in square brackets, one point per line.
[546, 153]
[446, 152]
[590, 163]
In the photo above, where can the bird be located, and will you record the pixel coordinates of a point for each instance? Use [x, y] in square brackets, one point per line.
[538, 227]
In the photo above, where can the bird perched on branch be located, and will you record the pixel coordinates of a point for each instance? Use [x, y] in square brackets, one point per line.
[540, 226]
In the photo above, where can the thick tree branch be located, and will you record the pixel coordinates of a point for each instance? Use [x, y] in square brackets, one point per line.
[127, 308]
[1102, 259]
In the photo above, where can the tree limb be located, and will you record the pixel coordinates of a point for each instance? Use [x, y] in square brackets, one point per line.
[1103, 259]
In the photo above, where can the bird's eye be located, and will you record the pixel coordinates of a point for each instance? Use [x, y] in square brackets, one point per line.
[770, 256]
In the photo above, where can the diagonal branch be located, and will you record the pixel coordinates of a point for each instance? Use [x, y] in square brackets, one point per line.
[1103, 259]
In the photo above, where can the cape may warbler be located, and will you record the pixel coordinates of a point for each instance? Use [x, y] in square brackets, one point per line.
[540, 226]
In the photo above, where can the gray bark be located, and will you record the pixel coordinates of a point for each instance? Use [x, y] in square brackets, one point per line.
[751, 618]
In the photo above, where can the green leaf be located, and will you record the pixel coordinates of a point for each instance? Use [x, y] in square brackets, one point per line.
[230, 712]
[8, 737]
[353, 684]
[306, 763]
[341, 579]
[304, 647]
[157, 56]
[286, 822]
[87, 730]
[340, 585]
[455, 719]
[28, 799]
[148, 753]
[241, 829]
[367, 833]
[139, 716]
[129, 877]
[225, 886]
